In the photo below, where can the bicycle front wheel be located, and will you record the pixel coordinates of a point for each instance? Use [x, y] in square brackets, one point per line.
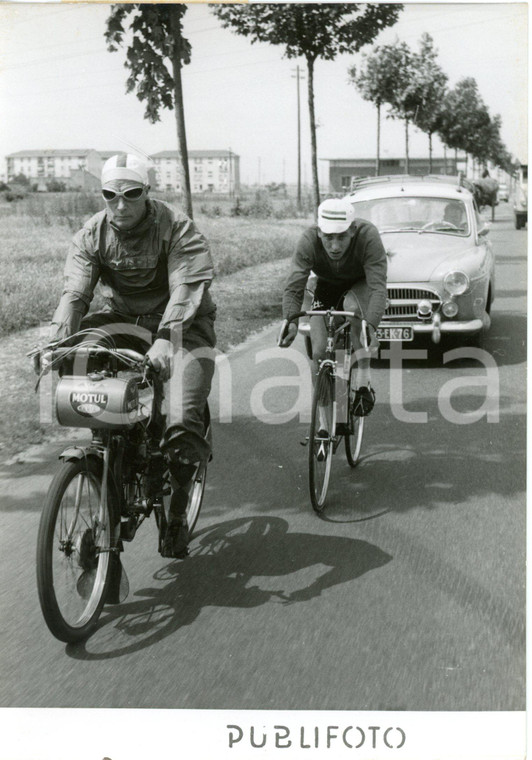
[74, 551]
[321, 438]
[353, 440]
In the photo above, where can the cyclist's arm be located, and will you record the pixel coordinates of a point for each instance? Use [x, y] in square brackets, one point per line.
[300, 269]
[81, 273]
[190, 272]
[375, 269]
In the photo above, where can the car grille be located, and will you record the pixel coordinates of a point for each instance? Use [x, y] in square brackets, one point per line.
[402, 302]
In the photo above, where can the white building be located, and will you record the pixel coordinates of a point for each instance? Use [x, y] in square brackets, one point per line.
[215, 171]
[40, 165]
[210, 170]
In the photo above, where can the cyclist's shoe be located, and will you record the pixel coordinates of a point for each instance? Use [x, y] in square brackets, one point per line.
[175, 541]
[322, 445]
[364, 401]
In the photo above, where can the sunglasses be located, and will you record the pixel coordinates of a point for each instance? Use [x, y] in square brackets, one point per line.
[133, 194]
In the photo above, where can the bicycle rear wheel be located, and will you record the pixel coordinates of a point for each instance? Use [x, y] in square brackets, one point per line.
[353, 440]
[321, 447]
[74, 551]
[195, 498]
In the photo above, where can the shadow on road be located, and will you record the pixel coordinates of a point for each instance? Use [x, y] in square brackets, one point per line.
[231, 565]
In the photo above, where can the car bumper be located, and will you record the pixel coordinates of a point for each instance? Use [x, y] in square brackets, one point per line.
[435, 327]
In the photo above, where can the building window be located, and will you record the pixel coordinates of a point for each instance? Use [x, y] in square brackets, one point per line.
[346, 182]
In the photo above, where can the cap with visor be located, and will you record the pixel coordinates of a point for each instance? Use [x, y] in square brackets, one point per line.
[335, 215]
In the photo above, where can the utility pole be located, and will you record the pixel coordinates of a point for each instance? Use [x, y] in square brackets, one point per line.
[230, 174]
[298, 76]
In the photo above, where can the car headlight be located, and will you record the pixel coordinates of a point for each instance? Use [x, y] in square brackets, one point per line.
[456, 283]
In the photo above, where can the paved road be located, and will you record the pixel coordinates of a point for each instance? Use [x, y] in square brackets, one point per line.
[408, 595]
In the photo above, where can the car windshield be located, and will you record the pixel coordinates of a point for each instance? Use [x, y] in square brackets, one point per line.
[420, 214]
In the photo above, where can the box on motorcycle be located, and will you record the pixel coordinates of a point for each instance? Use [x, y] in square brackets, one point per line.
[96, 401]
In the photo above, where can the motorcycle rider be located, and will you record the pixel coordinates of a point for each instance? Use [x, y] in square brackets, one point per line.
[156, 268]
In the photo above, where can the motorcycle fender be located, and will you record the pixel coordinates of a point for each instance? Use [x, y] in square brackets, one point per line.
[79, 452]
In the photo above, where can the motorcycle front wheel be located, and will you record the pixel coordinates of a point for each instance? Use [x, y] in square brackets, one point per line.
[74, 547]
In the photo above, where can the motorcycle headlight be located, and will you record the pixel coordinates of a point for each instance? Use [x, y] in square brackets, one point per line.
[456, 283]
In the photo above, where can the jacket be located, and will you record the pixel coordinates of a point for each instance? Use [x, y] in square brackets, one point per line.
[162, 266]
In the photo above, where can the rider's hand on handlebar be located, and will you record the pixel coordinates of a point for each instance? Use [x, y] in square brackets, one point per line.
[41, 360]
[160, 357]
[289, 335]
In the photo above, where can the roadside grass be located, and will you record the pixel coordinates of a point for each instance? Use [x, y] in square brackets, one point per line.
[32, 257]
[251, 259]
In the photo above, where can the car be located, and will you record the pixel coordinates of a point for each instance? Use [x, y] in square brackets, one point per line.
[521, 197]
[441, 266]
[503, 192]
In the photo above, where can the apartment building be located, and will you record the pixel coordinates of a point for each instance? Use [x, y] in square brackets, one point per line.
[210, 170]
[42, 165]
[215, 171]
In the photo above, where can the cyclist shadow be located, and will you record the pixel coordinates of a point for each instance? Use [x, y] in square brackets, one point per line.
[242, 563]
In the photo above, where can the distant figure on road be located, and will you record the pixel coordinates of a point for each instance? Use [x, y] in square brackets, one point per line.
[349, 259]
[156, 269]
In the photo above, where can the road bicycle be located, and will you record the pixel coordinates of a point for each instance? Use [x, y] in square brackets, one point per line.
[332, 415]
[103, 491]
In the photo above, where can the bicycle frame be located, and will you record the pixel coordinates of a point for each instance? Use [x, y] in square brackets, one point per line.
[333, 333]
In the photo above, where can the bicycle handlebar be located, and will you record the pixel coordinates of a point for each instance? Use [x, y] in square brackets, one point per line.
[87, 351]
[322, 312]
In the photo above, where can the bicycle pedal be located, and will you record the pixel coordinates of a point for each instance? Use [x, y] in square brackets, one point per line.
[304, 443]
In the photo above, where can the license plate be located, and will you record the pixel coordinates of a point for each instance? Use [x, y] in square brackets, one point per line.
[397, 332]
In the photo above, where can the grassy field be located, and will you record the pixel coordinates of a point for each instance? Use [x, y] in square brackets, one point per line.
[251, 259]
[33, 252]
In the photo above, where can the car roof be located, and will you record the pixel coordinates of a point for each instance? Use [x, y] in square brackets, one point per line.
[431, 185]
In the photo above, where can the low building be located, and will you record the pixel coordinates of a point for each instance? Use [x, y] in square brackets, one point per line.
[342, 171]
[216, 171]
[42, 165]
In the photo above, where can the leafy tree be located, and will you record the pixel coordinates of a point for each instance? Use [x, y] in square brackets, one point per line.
[375, 81]
[310, 31]
[429, 84]
[462, 115]
[154, 57]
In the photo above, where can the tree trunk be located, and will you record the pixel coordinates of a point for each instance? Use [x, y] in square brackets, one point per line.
[182, 163]
[407, 161]
[430, 152]
[378, 162]
[312, 115]
[445, 158]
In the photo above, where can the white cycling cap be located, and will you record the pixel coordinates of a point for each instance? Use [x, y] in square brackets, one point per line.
[335, 215]
[125, 166]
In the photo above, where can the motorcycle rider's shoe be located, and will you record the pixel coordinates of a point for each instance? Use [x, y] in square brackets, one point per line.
[175, 541]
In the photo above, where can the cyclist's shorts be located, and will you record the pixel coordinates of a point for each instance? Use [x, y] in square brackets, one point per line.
[331, 296]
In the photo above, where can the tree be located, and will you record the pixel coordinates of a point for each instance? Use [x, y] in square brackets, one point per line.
[310, 31]
[463, 113]
[375, 82]
[429, 85]
[157, 43]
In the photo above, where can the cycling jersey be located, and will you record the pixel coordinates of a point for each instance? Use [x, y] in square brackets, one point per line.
[365, 259]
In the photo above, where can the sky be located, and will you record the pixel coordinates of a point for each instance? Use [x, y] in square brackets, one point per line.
[61, 88]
